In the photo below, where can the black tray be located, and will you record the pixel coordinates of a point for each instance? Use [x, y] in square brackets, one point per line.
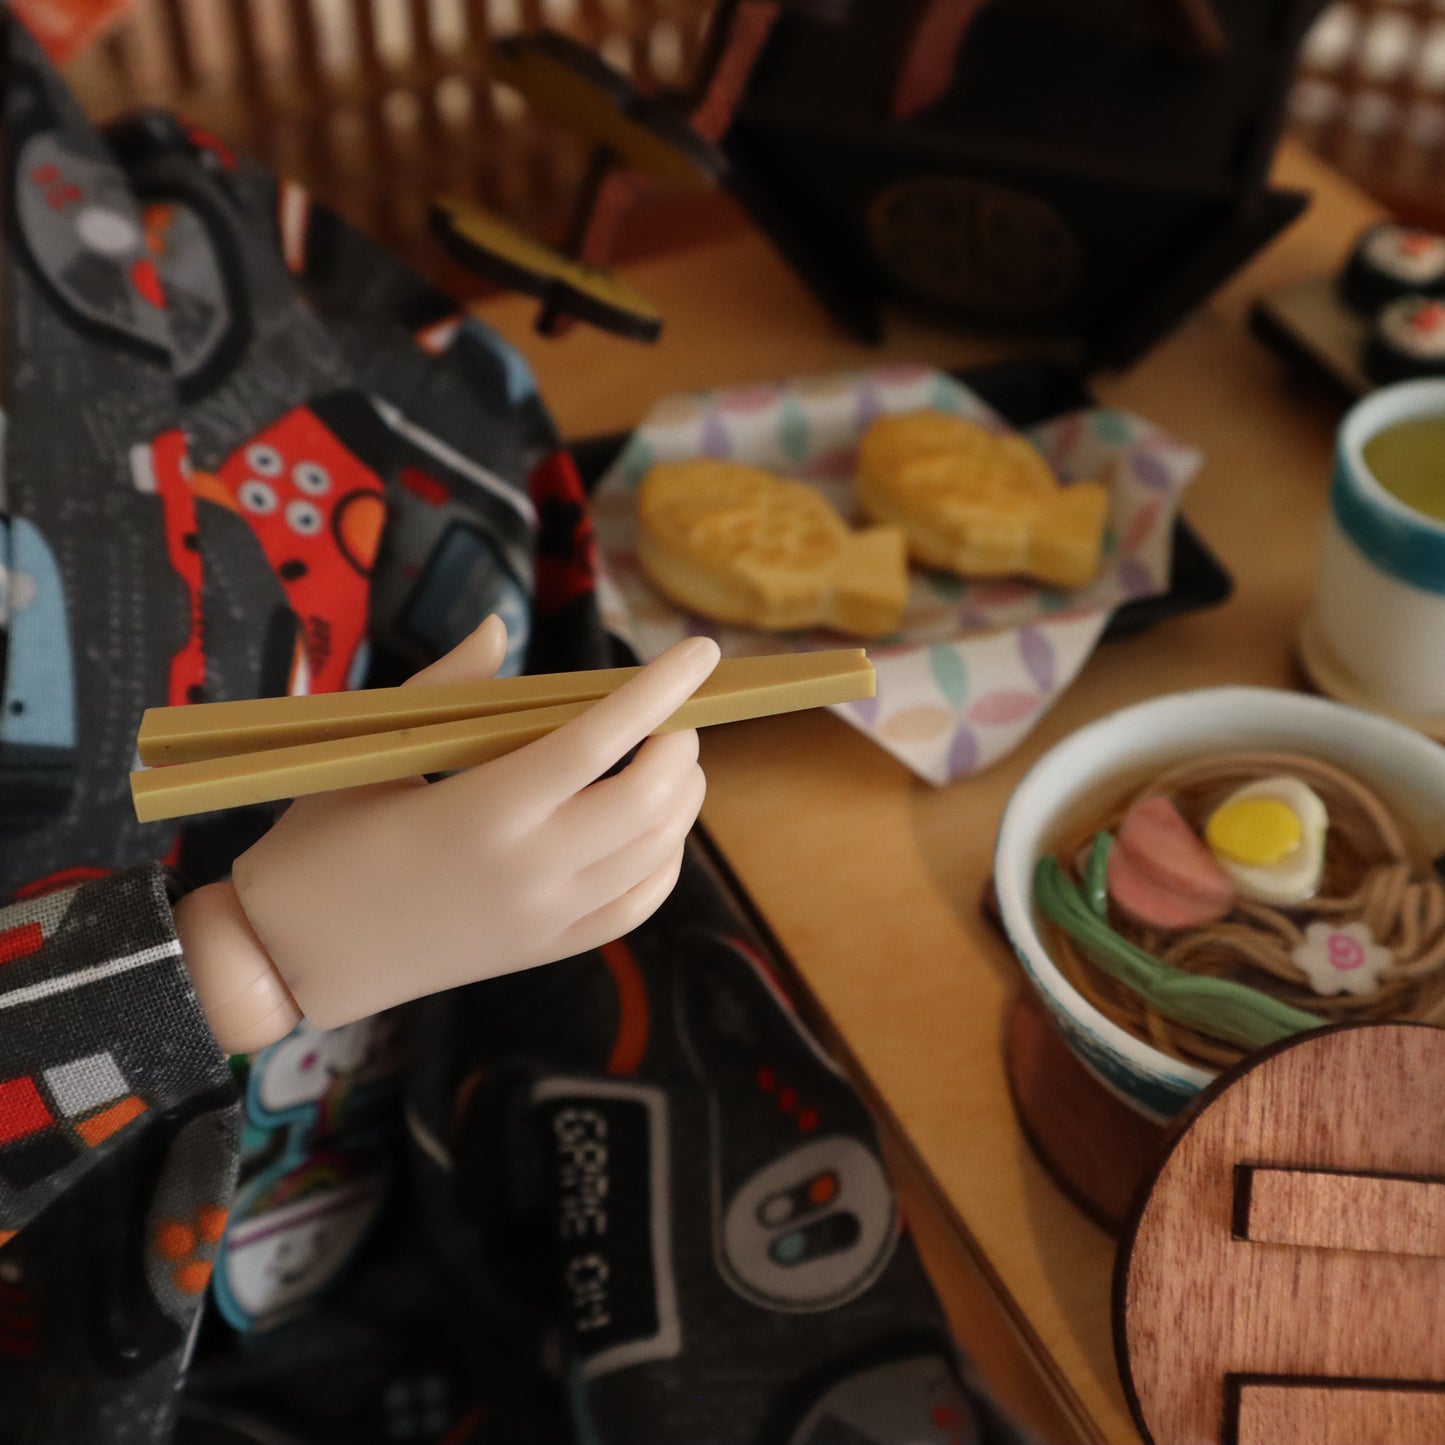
[1026, 393]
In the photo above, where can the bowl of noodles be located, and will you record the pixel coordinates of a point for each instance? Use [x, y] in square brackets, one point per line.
[1206, 873]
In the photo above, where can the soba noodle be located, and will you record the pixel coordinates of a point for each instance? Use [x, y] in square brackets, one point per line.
[1372, 875]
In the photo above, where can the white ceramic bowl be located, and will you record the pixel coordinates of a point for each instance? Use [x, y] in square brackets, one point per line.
[1092, 767]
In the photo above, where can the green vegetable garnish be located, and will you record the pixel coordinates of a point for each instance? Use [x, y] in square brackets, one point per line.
[1096, 875]
[1215, 1006]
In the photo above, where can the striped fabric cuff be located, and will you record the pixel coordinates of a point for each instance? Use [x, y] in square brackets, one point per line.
[99, 1028]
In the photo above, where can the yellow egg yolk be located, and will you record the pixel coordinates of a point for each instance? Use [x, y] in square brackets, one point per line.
[1255, 831]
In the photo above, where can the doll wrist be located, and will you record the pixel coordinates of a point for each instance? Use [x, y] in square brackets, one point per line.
[243, 996]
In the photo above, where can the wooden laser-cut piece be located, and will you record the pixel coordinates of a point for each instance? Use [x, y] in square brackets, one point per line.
[567, 84]
[1317, 1299]
[1326, 1209]
[1331, 1412]
[571, 86]
[940, 28]
[495, 248]
[932, 51]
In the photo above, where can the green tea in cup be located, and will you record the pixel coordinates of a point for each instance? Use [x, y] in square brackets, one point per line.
[1379, 613]
[1408, 461]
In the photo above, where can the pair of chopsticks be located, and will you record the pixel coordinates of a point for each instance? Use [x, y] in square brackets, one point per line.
[230, 754]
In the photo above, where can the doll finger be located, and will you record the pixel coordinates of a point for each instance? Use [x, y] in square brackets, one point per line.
[566, 761]
[617, 874]
[476, 656]
[622, 915]
[613, 810]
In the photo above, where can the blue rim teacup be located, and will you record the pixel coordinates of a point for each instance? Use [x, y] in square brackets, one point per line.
[1380, 594]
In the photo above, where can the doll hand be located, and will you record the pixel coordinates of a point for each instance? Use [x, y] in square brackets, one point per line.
[245, 1000]
[367, 898]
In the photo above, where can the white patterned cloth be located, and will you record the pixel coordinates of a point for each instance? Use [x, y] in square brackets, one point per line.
[975, 664]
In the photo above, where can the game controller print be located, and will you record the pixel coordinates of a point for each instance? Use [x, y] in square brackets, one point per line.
[806, 1217]
[903, 1398]
[809, 1230]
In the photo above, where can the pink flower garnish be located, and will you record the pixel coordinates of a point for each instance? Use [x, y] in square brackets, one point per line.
[1341, 958]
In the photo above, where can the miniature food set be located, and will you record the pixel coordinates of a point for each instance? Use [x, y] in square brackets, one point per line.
[973, 664]
[1395, 277]
[979, 505]
[1380, 321]
[1231, 901]
[738, 544]
[1391, 261]
[1207, 873]
[1407, 340]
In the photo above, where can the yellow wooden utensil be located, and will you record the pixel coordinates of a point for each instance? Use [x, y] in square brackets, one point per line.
[229, 754]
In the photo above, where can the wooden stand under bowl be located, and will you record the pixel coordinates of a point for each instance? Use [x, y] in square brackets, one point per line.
[1098, 1150]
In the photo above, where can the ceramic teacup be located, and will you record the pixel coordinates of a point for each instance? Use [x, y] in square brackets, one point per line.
[1379, 611]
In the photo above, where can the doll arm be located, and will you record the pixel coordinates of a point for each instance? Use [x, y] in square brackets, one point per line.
[100, 1033]
[357, 901]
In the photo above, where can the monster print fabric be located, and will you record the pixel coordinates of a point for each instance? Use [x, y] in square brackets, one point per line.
[627, 1198]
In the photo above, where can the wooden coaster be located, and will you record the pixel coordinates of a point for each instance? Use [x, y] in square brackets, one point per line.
[1283, 1282]
[1326, 674]
[1098, 1150]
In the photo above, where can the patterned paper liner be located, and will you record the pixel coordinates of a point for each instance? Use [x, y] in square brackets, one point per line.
[975, 664]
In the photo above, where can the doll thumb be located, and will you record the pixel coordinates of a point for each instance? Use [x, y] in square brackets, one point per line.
[476, 656]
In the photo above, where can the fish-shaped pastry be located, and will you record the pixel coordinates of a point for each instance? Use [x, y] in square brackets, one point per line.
[740, 545]
[979, 504]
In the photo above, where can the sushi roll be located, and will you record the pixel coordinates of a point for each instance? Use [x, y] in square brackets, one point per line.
[1390, 261]
[1407, 340]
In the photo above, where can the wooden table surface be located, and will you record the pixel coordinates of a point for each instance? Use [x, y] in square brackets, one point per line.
[870, 877]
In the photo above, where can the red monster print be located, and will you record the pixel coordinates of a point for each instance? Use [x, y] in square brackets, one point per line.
[317, 511]
[162, 467]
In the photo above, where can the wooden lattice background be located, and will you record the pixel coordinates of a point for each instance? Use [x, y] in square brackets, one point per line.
[1371, 98]
[379, 105]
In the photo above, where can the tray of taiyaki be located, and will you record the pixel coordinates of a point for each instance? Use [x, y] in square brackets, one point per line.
[981, 532]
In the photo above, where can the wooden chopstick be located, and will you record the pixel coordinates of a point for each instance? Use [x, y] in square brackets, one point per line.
[224, 729]
[742, 688]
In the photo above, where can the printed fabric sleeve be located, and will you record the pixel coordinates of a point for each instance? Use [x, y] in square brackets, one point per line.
[487, 513]
[100, 1032]
[486, 510]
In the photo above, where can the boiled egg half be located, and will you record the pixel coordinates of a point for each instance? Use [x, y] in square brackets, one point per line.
[1269, 837]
